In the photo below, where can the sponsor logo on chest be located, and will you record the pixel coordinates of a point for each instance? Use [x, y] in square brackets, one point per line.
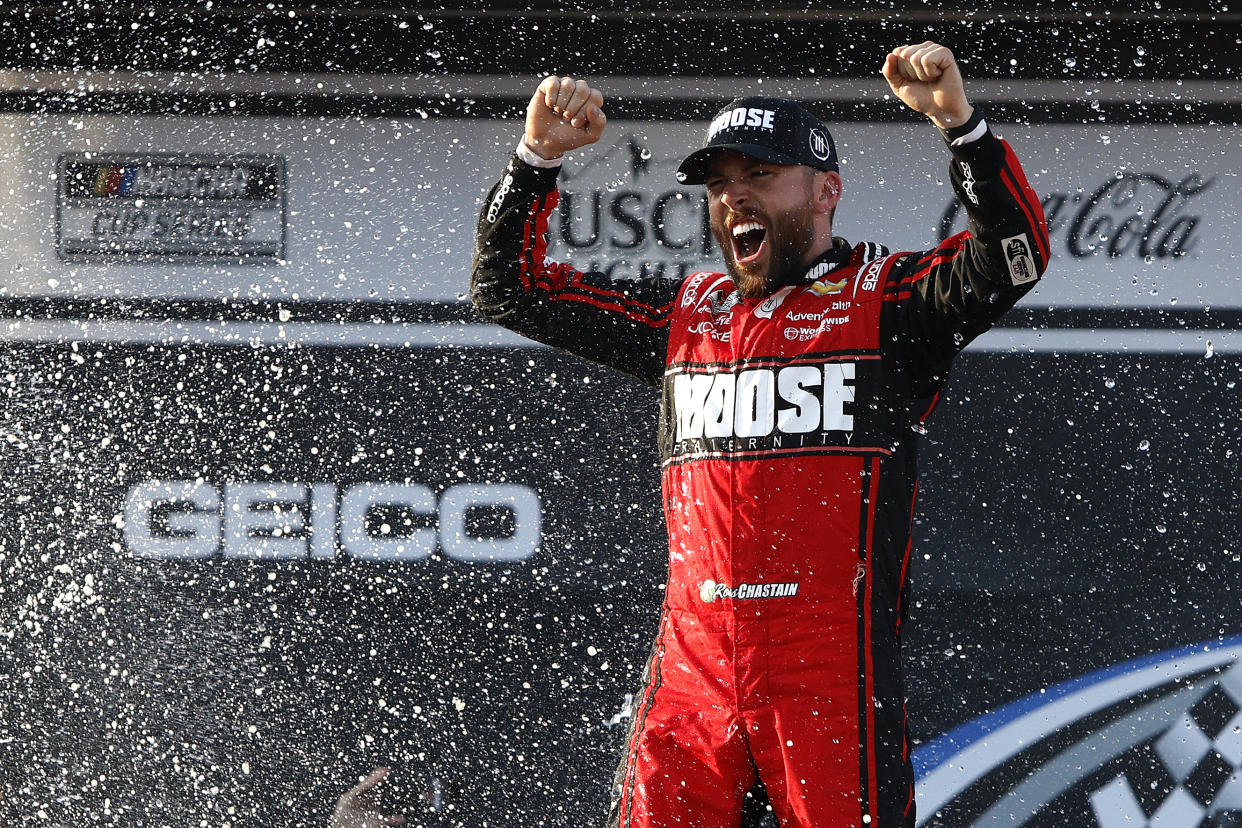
[718, 329]
[823, 287]
[798, 325]
[769, 306]
[719, 305]
[869, 277]
[690, 294]
[806, 325]
[764, 402]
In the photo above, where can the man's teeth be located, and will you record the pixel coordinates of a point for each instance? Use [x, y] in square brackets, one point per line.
[746, 227]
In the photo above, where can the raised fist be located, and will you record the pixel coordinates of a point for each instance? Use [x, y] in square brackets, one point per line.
[563, 115]
[925, 76]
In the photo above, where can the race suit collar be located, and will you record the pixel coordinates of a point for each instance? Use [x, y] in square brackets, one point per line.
[834, 257]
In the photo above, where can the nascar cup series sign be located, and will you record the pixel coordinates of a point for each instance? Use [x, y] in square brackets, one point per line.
[171, 208]
[1152, 742]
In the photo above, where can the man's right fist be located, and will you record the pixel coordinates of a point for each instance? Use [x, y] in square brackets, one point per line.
[563, 115]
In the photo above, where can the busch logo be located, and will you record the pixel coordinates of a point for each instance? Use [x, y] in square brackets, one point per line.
[710, 591]
[759, 402]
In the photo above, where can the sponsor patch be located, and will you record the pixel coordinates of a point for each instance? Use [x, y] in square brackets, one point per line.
[869, 277]
[824, 287]
[1018, 256]
[690, 294]
[789, 408]
[768, 306]
[819, 271]
[721, 303]
[717, 329]
[493, 209]
[826, 324]
[968, 182]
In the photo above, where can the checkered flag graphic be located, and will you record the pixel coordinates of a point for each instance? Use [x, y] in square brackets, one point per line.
[1190, 776]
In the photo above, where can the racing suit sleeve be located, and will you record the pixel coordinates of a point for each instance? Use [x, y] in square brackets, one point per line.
[622, 323]
[936, 302]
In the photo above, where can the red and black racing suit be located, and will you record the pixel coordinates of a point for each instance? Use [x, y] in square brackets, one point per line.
[788, 436]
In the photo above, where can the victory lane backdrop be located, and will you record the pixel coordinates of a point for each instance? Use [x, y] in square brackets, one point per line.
[199, 686]
[251, 684]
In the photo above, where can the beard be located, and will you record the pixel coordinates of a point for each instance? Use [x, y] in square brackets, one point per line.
[789, 239]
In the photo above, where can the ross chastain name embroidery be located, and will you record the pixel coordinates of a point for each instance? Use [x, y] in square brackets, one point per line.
[710, 591]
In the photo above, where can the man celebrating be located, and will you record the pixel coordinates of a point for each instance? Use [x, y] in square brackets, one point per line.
[793, 389]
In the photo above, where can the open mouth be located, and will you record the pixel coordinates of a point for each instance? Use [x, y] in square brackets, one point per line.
[748, 241]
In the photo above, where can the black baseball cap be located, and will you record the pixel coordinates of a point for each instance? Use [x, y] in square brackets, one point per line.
[776, 130]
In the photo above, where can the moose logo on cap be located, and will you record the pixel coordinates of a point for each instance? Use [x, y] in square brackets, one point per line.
[742, 116]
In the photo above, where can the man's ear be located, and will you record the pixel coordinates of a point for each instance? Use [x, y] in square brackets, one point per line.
[827, 191]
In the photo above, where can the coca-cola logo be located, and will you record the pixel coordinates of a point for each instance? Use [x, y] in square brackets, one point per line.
[1143, 215]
